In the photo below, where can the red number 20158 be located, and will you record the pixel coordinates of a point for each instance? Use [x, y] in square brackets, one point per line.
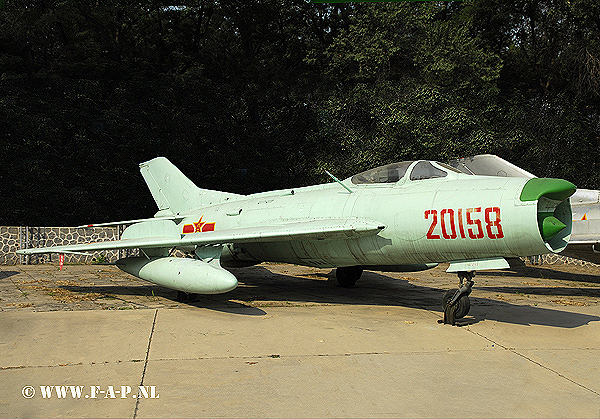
[474, 223]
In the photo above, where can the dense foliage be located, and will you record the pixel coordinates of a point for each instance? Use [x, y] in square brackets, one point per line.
[248, 95]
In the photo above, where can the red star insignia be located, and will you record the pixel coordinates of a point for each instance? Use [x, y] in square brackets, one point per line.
[198, 225]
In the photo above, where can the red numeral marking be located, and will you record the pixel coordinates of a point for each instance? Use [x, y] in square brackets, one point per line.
[470, 222]
[461, 228]
[473, 217]
[496, 223]
[443, 213]
[430, 234]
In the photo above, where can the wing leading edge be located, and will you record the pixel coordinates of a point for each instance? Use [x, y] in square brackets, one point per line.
[306, 230]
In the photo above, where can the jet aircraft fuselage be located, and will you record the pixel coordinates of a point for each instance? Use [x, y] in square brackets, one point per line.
[423, 221]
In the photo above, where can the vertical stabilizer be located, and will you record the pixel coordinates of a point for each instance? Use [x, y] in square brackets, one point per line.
[173, 192]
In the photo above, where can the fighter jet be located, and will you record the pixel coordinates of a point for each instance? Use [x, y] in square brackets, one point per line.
[584, 243]
[405, 216]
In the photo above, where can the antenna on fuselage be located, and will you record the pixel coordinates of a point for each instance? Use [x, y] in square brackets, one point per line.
[340, 182]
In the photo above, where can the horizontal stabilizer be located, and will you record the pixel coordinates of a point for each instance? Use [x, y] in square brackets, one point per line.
[149, 242]
[141, 220]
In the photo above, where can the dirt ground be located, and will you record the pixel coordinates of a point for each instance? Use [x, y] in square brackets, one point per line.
[99, 287]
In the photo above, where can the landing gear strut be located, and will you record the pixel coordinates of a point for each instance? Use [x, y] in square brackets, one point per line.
[456, 303]
[186, 297]
[348, 275]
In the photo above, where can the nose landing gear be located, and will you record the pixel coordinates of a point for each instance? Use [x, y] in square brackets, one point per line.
[456, 303]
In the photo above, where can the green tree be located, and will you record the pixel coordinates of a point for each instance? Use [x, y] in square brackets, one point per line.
[252, 95]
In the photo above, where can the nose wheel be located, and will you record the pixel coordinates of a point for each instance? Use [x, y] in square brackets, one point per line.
[456, 303]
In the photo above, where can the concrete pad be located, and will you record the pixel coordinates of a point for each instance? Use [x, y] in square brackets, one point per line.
[71, 348]
[282, 331]
[570, 347]
[581, 366]
[13, 404]
[30, 339]
[493, 383]
[351, 362]
[290, 343]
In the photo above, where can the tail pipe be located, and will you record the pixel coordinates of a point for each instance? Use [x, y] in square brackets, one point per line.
[553, 209]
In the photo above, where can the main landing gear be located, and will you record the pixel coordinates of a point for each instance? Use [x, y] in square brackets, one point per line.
[186, 297]
[456, 303]
[348, 275]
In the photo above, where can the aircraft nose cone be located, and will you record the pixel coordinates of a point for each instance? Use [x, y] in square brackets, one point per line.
[550, 227]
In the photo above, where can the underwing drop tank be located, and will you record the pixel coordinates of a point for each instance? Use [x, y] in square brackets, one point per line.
[182, 274]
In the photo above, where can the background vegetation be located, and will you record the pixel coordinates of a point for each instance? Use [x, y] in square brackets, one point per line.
[248, 95]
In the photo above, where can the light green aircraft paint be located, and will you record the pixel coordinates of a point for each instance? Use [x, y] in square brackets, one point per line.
[399, 217]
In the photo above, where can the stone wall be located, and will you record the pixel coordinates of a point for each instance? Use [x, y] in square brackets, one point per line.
[558, 259]
[14, 238]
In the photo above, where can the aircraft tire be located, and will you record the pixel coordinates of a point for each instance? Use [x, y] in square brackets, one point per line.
[463, 305]
[348, 275]
[186, 297]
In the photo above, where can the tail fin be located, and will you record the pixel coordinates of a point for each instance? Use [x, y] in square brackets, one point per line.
[173, 192]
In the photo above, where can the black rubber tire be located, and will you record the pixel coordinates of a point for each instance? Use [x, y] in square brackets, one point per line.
[181, 297]
[348, 275]
[463, 305]
[186, 297]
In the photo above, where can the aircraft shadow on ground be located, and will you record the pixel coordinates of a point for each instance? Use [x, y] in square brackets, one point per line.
[260, 287]
[546, 291]
[542, 272]
[7, 274]
[153, 293]
[260, 284]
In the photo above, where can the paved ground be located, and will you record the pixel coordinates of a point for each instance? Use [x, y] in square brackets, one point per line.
[289, 343]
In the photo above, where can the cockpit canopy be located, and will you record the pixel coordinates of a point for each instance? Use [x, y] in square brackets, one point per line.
[392, 173]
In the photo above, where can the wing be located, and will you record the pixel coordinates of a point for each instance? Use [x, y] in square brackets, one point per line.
[305, 230]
